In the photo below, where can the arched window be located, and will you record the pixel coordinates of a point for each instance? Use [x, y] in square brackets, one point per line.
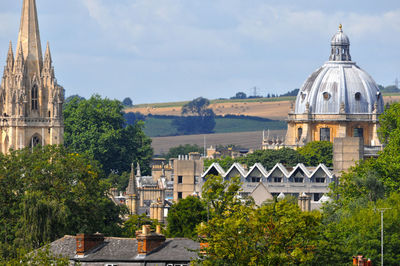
[34, 97]
[325, 134]
[357, 96]
[299, 133]
[35, 140]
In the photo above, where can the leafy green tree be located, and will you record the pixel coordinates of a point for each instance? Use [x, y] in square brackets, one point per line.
[317, 152]
[174, 152]
[184, 216]
[196, 118]
[278, 233]
[39, 257]
[119, 181]
[135, 223]
[49, 192]
[97, 127]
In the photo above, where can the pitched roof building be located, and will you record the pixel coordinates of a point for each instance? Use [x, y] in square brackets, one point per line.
[149, 248]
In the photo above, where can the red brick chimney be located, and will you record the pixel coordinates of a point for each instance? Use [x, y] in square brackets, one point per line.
[85, 242]
[148, 241]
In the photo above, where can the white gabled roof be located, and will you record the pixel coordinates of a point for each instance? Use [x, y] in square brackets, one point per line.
[238, 167]
[260, 167]
[215, 166]
[303, 168]
[325, 169]
[281, 168]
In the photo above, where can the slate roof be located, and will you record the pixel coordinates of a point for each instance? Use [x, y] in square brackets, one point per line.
[116, 249]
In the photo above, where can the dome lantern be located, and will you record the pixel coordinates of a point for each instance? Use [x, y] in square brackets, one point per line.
[340, 46]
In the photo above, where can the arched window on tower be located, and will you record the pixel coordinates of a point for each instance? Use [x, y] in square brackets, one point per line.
[35, 140]
[34, 97]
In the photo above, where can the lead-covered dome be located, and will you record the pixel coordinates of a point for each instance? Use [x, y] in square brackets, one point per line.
[339, 86]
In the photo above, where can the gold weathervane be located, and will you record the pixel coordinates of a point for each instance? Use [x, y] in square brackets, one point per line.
[340, 27]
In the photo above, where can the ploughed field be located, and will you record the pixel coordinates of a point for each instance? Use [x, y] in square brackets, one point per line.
[248, 140]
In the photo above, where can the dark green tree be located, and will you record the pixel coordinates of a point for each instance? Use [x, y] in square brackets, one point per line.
[196, 118]
[97, 127]
[127, 102]
[317, 152]
[240, 95]
[50, 192]
[184, 216]
[174, 152]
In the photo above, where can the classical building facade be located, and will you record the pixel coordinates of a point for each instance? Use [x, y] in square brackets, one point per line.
[30, 98]
[338, 100]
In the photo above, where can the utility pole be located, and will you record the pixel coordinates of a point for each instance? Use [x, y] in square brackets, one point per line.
[382, 210]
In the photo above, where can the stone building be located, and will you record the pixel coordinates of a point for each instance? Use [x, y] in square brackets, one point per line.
[30, 99]
[186, 173]
[338, 100]
[299, 181]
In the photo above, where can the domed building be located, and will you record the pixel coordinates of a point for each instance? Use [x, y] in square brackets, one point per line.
[338, 100]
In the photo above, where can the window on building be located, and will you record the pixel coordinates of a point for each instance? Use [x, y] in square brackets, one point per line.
[277, 179]
[357, 96]
[180, 179]
[320, 180]
[326, 95]
[298, 180]
[34, 97]
[299, 133]
[179, 195]
[255, 179]
[325, 134]
[35, 141]
[358, 132]
[317, 196]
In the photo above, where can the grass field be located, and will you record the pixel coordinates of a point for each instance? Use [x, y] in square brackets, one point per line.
[158, 127]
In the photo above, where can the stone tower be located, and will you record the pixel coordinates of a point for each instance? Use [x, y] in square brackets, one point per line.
[132, 195]
[30, 98]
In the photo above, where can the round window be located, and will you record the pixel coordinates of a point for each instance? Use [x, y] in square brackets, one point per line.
[326, 95]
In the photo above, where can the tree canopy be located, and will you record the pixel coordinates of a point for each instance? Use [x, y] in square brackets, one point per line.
[184, 216]
[317, 152]
[127, 102]
[50, 192]
[174, 152]
[97, 127]
[196, 118]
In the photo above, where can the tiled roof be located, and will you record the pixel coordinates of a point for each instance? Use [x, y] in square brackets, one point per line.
[125, 250]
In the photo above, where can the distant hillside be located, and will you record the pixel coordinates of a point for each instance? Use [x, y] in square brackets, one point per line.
[272, 108]
[159, 126]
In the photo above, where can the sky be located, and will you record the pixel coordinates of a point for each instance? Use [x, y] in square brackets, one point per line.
[174, 50]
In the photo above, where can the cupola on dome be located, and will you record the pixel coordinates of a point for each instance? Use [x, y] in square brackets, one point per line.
[339, 86]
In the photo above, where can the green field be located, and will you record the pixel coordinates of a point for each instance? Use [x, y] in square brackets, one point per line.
[159, 127]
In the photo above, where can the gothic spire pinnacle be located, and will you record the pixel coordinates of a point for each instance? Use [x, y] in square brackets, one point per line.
[138, 172]
[47, 54]
[10, 57]
[29, 38]
[132, 188]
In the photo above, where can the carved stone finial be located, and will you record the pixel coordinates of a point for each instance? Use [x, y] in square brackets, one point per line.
[342, 108]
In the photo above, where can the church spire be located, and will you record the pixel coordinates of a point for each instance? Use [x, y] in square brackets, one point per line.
[29, 38]
[47, 55]
[10, 58]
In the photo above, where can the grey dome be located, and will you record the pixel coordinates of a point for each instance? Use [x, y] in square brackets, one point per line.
[340, 38]
[339, 86]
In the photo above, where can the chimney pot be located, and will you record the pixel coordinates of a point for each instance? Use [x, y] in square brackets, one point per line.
[148, 241]
[85, 242]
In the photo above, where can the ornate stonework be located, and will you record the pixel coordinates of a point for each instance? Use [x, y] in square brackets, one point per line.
[30, 98]
[338, 100]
